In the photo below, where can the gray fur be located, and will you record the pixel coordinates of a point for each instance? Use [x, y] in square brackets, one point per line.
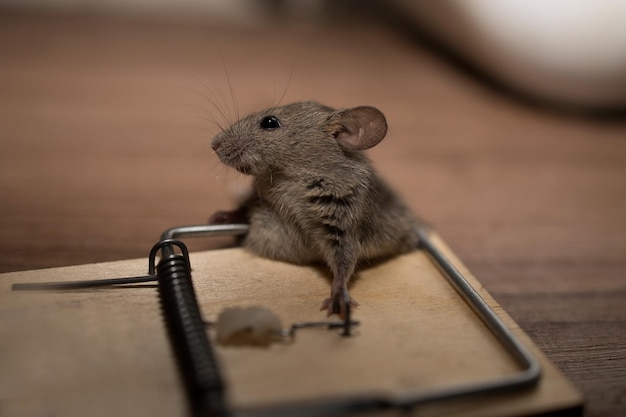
[314, 199]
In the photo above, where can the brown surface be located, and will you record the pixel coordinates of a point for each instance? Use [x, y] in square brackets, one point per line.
[98, 156]
[120, 356]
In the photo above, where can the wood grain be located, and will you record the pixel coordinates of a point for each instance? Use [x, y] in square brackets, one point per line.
[100, 151]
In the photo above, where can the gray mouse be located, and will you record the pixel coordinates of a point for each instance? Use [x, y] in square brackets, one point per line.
[316, 196]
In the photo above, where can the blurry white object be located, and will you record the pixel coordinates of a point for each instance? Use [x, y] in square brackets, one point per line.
[247, 326]
[568, 51]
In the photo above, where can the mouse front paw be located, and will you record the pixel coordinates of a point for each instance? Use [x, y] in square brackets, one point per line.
[336, 304]
[228, 217]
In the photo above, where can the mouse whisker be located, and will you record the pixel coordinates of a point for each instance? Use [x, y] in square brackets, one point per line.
[233, 97]
[224, 118]
[215, 100]
[211, 120]
[282, 97]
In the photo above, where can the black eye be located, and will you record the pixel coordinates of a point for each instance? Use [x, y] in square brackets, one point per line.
[270, 122]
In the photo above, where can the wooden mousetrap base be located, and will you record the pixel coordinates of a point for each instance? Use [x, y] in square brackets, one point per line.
[103, 352]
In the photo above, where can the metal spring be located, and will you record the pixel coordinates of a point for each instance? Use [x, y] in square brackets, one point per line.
[188, 337]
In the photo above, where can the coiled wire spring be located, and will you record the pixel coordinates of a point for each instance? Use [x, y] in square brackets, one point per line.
[187, 334]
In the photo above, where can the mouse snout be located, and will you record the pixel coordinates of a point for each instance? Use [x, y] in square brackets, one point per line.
[216, 143]
[223, 140]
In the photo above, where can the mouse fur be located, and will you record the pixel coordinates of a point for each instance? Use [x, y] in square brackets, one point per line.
[316, 196]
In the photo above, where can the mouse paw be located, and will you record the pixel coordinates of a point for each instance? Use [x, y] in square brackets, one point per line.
[228, 217]
[336, 305]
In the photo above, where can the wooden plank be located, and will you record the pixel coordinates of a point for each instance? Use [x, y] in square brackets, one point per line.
[583, 334]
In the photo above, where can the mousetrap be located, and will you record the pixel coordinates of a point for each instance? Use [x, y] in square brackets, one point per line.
[245, 337]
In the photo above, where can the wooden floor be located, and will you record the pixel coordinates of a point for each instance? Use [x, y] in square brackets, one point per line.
[104, 143]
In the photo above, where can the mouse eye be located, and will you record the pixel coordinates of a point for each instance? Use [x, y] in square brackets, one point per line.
[270, 123]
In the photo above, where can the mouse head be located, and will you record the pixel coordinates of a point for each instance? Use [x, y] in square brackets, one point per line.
[298, 135]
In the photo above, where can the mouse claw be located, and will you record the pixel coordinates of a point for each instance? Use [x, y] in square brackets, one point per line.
[336, 305]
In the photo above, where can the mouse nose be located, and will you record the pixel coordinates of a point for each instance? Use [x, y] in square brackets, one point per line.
[215, 144]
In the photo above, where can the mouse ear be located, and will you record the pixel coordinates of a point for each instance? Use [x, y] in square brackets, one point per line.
[360, 128]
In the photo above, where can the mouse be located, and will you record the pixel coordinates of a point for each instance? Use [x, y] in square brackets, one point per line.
[316, 196]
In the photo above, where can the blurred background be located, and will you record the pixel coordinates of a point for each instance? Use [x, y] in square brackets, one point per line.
[507, 133]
